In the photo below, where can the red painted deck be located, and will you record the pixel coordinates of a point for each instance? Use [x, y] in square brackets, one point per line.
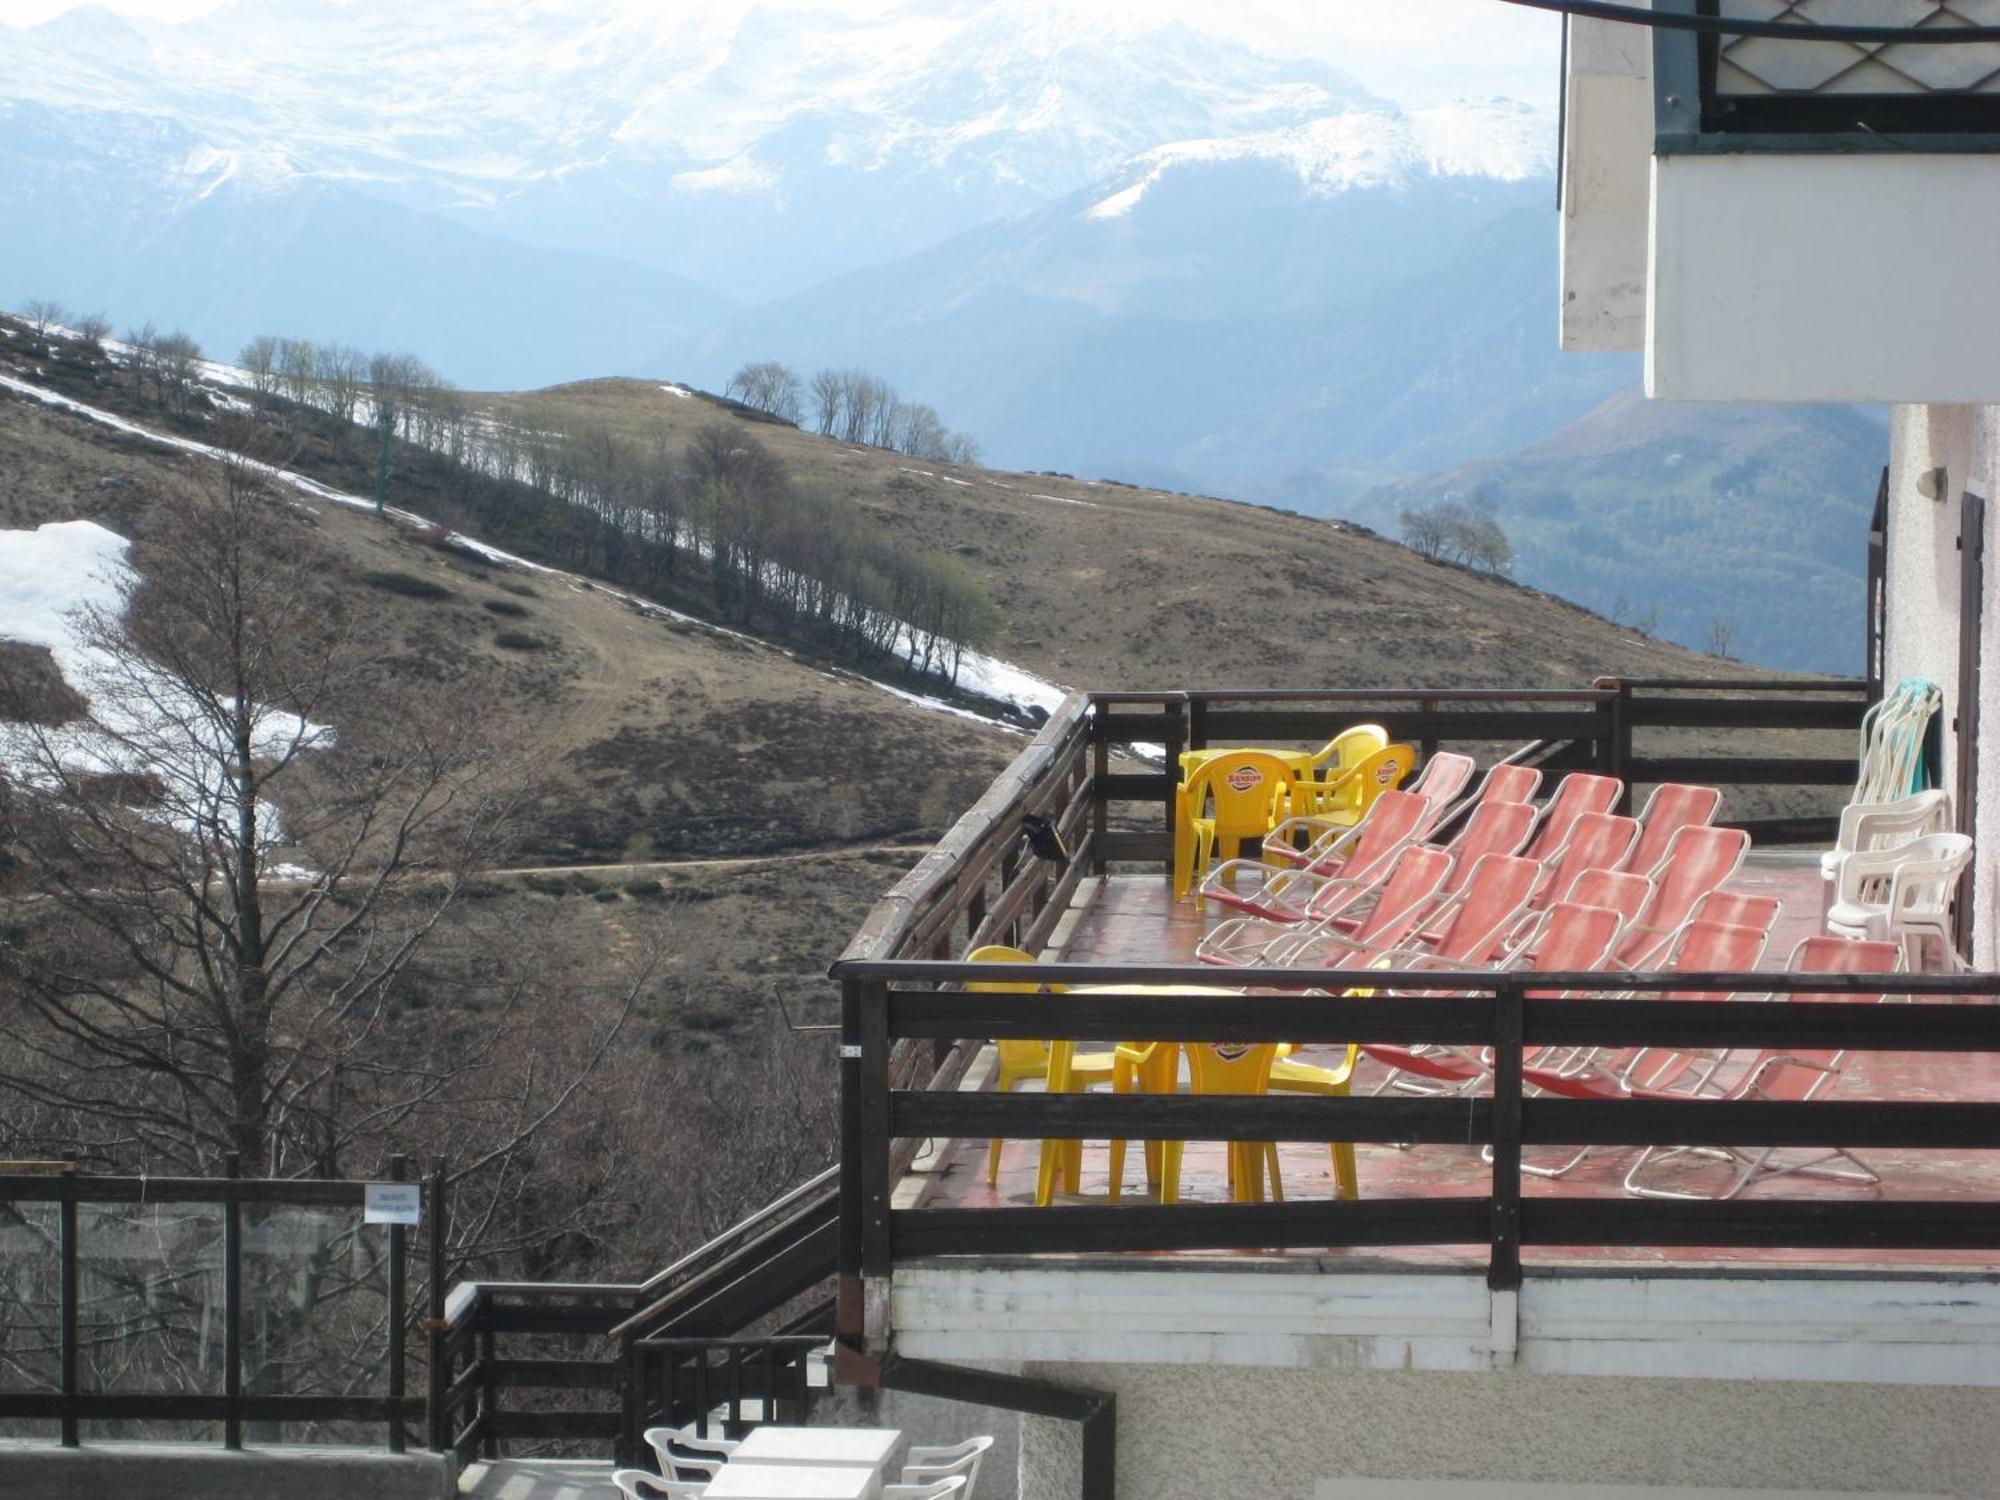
[1134, 918]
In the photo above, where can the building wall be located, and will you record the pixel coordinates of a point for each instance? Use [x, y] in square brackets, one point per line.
[1804, 277]
[1923, 602]
[1191, 1432]
[1607, 154]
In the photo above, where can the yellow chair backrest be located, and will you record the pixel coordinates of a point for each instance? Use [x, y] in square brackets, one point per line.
[1242, 785]
[1349, 748]
[1380, 771]
[1231, 1068]
[1016, 1053]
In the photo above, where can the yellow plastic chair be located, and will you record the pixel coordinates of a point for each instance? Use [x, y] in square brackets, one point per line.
[1153, 1068]
[1214, 1068]
[1227, 799]
[1342, 754]
[1290, 1076]
[1021, 1060]
[1345, 799]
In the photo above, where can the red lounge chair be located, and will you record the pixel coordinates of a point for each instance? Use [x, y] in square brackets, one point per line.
[1673, 806]
[1578, 793]
[1578, 941]
[1795, 1077]
[1699, 860]
[1363, 852]
[1704, 947]
[1597, 841]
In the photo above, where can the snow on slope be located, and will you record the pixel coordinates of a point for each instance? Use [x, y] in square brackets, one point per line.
[57, 583]
[1001, 681]
[1363, 148]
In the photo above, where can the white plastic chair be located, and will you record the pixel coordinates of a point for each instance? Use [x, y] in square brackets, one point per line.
[1914, 883]
[664, 1440]
[937, 1490]
[644, 1484]
[927, 1464]
[1883, 825]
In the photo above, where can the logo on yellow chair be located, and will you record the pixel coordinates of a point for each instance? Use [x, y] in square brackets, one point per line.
[1243, 778]
[1385, 773]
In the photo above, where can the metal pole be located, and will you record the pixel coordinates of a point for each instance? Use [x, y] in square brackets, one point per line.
[232, 1309]
[66, 1219]
[434, 1324]
[1503, 1272]
[399, 1168]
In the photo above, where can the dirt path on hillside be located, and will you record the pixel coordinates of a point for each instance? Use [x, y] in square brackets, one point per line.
[831, 851]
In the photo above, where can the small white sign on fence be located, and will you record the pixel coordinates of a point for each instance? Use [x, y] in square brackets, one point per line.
[393, 1203]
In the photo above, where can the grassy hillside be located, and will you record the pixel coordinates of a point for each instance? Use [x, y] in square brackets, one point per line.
[1106, 585]
[1682, 517]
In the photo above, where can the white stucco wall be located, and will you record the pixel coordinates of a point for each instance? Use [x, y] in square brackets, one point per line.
[1607, 155]
[1862, 277]
[1923, 603]
[1190, 1432]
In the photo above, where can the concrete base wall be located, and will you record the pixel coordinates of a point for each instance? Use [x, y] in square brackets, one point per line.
[183, 1471]
[1196, 1432]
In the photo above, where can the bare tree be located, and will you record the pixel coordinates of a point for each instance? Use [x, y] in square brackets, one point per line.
[259, 360]
[298, 368]
[179, 364]
[205, 978]
[143, 346]
[44, 315]
[1721, 636]
[827, 390]
[92, 329]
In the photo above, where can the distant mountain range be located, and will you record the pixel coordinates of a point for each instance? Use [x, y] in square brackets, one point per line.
[1285, 316]
[1682, 517]
[1096, 239]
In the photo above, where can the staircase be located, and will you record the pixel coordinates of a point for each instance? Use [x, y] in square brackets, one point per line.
[734, 1325]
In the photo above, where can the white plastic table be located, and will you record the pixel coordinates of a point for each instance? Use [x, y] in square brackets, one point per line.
[846, 1447]
[769, 1481]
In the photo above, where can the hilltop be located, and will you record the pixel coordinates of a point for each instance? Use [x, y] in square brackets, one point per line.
[1103, 584]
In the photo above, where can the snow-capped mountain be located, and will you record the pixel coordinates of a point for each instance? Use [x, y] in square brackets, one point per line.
[1281, 314]
[764, 148]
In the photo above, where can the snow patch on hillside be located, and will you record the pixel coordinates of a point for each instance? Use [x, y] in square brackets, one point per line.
[58, 583]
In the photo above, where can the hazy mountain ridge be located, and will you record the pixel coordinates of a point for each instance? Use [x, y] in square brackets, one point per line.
[1686, 518]
[1278, 316]
[689, 139]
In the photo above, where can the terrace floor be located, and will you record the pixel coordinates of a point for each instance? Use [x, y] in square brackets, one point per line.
[1134, 918]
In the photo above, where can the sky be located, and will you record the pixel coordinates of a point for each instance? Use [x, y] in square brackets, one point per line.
[1418, 51]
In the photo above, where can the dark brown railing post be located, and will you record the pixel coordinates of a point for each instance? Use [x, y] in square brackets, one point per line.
[399, 1169]
[874, 1122]
[232, 1309]
[1180, 736]
[67, 1249]
[1503, 1271]
[848, 1310]
[1100, 790]
[1427, 744]
[437, 1419]
[631, 1403]
[1614, 742]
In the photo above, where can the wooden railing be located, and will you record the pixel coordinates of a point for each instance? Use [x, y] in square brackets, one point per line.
[232, 1406]
[892, 1002]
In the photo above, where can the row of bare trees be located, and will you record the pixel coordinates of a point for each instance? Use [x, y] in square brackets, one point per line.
[719, 517]
[1460, 533]
[853, 406]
